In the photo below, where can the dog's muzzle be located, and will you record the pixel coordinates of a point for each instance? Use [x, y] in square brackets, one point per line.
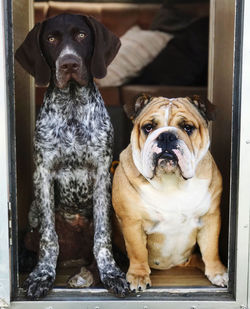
[165, 152]
[70, 68]
[166, 141]
[69, 65]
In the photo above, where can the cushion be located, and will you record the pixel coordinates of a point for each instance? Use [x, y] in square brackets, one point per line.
[183, 62]
[138, 48]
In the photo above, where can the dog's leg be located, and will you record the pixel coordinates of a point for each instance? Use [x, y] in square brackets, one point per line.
[136, 241]
[41, 279]
[127, 206]
[208, 240]
[111, 276]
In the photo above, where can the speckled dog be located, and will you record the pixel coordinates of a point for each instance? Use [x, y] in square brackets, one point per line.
[73, 140]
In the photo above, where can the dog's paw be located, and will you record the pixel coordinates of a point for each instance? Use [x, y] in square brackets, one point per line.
[39, 282]
[116, 283]
[219, 279]
[83, 279]
[138, 282]
[217, 274]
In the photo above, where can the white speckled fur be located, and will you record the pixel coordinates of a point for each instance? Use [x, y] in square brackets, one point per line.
[72, 143]
[73, 153]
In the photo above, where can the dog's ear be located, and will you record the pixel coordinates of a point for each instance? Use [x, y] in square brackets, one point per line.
[30, 56]
[133, 109]
[106, 46]
[205, 107]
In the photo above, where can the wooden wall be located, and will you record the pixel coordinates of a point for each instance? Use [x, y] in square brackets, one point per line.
[24, 105]
[220, 92]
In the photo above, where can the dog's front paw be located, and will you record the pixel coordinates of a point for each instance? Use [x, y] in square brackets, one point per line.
[219, 279]
[217, 274]
[116, 283]
[39, 282]
[138, 282]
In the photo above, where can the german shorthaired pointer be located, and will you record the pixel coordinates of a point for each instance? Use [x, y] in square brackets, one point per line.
[73, 140]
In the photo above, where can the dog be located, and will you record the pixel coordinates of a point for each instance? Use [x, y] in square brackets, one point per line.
[73, 141]
[167, 188]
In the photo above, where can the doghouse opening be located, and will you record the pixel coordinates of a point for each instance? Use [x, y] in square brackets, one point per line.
[120, 17]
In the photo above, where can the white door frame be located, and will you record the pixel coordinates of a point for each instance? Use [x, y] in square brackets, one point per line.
[244, 172]
[242, 292]
[4, 183]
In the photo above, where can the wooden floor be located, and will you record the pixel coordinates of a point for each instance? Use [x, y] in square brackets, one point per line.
[177, 276]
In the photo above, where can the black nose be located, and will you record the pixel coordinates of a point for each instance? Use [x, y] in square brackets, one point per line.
[166, 137]
[166, 141]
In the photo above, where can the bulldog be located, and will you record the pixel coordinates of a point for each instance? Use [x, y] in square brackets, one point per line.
[167, 190]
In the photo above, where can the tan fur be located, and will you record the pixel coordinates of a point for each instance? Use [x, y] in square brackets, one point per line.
[137, 218]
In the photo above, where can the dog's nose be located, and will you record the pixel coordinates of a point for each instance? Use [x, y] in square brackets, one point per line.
[69, 66]
[166, 138]
[166, 141]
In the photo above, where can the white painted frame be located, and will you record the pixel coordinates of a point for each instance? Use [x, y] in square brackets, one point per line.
[242, 292]
[4, 182]
[244, 192]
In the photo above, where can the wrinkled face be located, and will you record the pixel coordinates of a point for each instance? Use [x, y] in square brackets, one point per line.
[67, 45]
[169, 136]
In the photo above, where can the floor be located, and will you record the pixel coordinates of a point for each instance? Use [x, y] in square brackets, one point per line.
[177, 276]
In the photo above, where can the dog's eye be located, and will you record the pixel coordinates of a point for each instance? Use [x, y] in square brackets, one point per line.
[189, 128]
[147, 128]
[80, 36]
[51, 39]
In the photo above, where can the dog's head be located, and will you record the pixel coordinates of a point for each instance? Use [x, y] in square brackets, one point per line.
[67, 47]
[169, 135]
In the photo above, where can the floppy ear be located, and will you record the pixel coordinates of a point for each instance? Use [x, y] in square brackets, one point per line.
[205, 107]
[133, 109]
[30, 56]
[106, 46]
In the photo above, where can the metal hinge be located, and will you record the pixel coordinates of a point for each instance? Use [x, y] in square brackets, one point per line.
[10, 223]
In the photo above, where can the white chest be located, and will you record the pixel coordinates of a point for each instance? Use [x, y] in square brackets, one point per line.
[170, 199]
[174, 211]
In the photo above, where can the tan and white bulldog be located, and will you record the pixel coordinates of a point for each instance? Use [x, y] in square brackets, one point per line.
[167, 190]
